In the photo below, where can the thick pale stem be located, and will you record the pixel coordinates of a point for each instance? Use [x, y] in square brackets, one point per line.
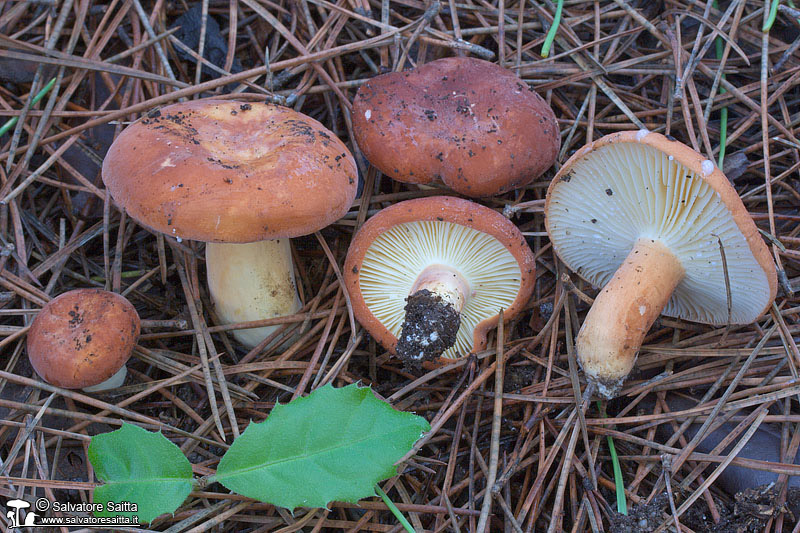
[252, 282]
[432, 314]
[113, 382]
[445, 282]
[623, 312]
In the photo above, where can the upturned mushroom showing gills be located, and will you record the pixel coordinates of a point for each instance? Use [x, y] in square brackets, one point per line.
[648, 219]
[467, 122]
[82, 339]
[244, 178]
[428, 277]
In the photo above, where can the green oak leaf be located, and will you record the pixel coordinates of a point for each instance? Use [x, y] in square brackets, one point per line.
[334, 444]
[140, 467]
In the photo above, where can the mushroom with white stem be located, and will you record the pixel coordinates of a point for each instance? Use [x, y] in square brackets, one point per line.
[427, 277]
[83, 338]
[244, 178]
[644, 217]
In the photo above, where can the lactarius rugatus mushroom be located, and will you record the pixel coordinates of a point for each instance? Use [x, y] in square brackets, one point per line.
[467, 122]
[83, 338]
[643, 217]
[244, 178]
[428, 277]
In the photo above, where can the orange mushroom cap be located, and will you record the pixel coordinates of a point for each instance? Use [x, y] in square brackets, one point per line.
[471, 123]
[82, 337]
[394, 246]
[225, 171]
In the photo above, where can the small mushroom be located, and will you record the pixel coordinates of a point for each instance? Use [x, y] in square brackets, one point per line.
[83, 338]
[244, 178]
[428, 277]
[643, 217]
[467, 122]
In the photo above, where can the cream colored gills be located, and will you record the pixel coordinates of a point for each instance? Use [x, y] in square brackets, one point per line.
[399, 260]
[250, 282]
[621, 193]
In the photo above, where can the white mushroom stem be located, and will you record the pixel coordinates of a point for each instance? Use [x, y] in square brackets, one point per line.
[251, 282]
[113, 382]
[611, 335]
[445, 282]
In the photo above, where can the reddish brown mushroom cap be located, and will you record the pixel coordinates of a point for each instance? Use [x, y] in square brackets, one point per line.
[224, 171]
[471, 123]
[82, 337]
[483, 246]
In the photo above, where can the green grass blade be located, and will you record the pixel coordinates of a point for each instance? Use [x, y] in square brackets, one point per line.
[723, 114]
[622, 504]
[551, 34]
[393, 508]
[13, 120]
[773, 13]
[723, 135]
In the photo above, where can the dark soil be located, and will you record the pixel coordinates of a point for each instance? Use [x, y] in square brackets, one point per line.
[641, 518]
[518, 377]
[749, 513]
[430, 328]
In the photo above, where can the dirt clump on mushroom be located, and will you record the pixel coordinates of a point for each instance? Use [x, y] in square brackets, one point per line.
[430, 328]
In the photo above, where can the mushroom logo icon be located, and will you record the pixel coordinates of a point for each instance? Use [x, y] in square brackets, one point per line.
[13, 514]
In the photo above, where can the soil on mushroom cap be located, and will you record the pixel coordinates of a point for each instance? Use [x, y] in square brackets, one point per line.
[430, 328]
